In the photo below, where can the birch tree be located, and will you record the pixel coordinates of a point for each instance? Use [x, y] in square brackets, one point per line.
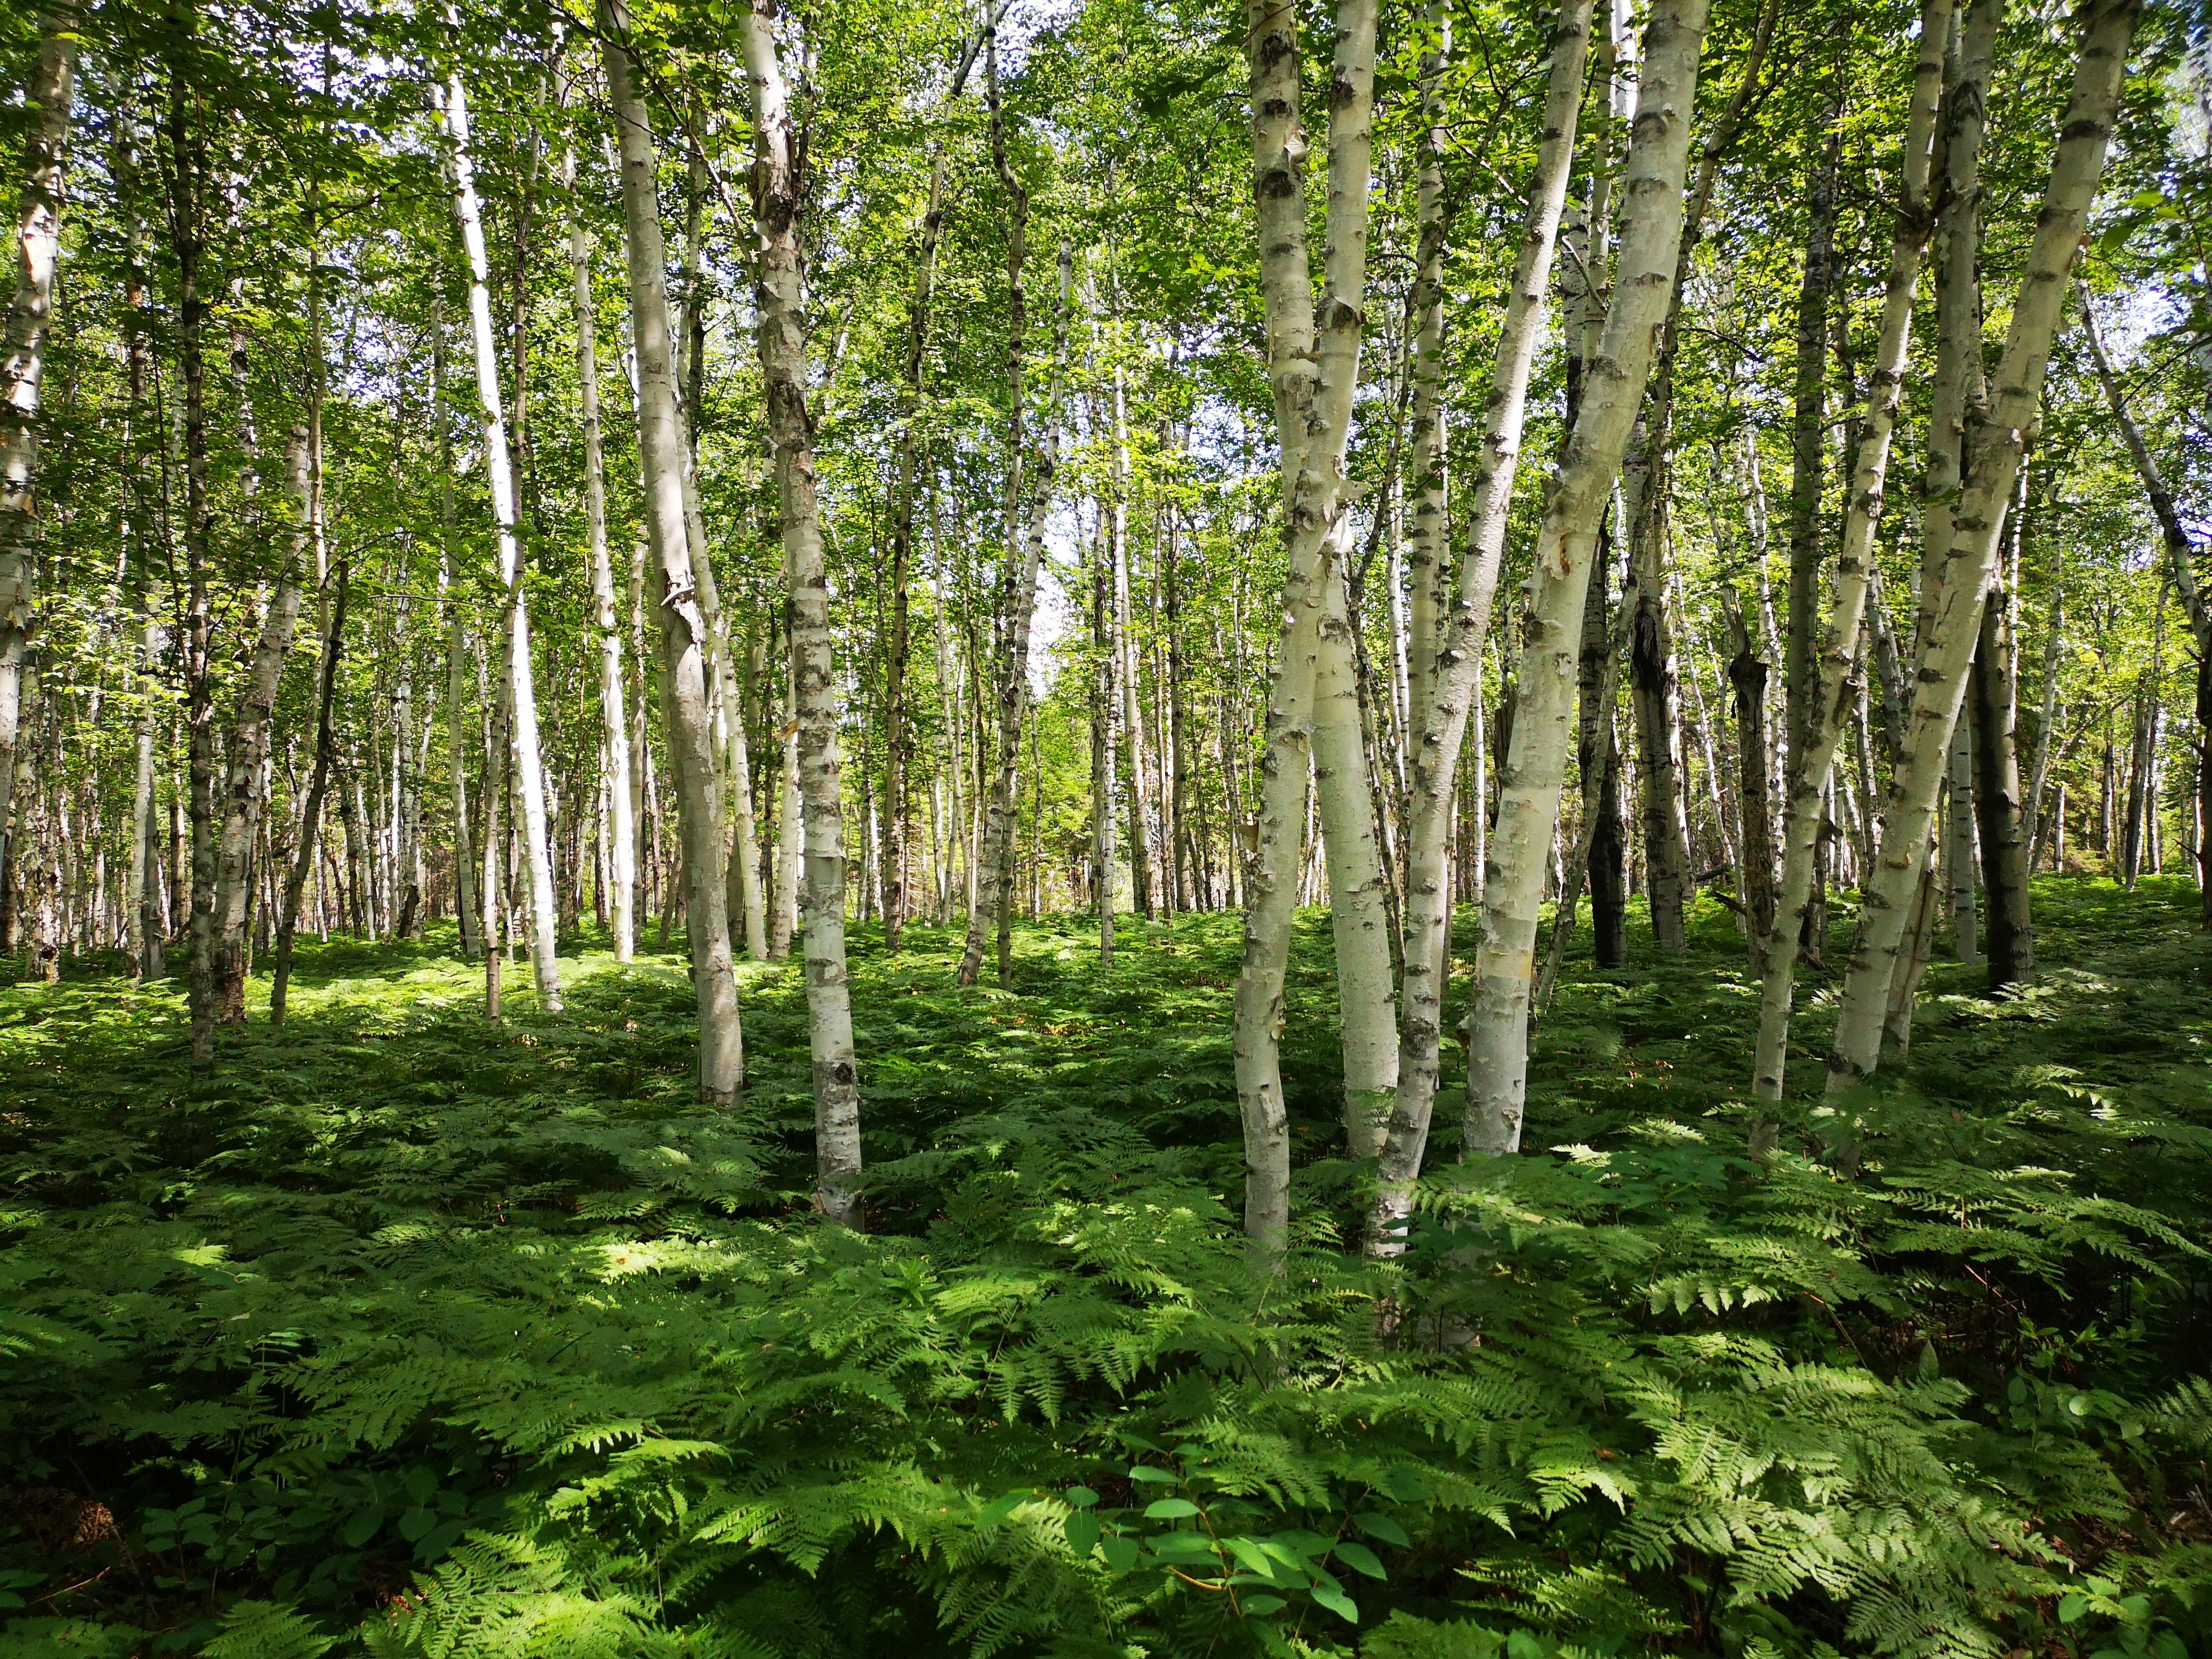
[519, 690]
[683, 635]
[780, 302]
[1952, 615]
[1534, 771]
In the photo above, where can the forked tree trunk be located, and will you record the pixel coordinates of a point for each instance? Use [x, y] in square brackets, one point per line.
[1313, 367]
[1977, 520]
[1441, 727]
[311, 810]
[38, 243]
[778, 156]
[1535, 771]
[685, 641]
[520, 688]
[620, 833]
[1597, 765]
[249, 754]
[1839, 653]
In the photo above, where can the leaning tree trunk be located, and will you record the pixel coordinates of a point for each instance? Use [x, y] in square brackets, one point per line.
[1839, 653]
[778, 158]
[621, 834]
[1440, 723]
[520, 688]
[1313, 367]
[38, 243]
[249, 755]
[685, 642]
[1543, 716]
[1953, 621]
[2181, 553]
[1748, 674]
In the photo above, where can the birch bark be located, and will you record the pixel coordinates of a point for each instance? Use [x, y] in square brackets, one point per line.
[1312, 365]
[684, 640]
[1839, 653]
[1534, 771]
[249, 754]
[778, 157]
[520, 688]
[1953, 621]
[38, 243]
[1442, 725]
[621, 836]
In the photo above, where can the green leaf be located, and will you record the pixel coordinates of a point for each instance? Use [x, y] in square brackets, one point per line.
[998, 1509]
[1170, 1508]
[1521, 1645]
[1082, 1497]
[1384, 1527]
[363, 1527]
[414, 1523]
[1359, 1559]
[1338, 1603]
[1120, 1553]
[1082, 1533]
[1262, 1606]
[1158, 1477]
[2071, 1607]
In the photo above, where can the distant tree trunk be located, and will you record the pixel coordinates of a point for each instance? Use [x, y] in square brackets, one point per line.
[1428, 546]
[1529, 802]
[1748, 674]
[1957, 830]
[311, 809]
[1655, 682]
[2181, 553]
[1976, 522]
[520, 689]
[2009, 930]
[778, 156]
[468, 912]
[685, 671]
[30, 311]
[1597, 758]
[1018, 575]
[620, 834]
[249, 755]
[1102, 747]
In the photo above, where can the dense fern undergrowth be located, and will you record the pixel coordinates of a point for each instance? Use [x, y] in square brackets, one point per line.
[410, 1334]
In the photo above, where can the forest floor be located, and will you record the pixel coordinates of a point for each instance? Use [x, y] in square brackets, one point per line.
[407, 1333]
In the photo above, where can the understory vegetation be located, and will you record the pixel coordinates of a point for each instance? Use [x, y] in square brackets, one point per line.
[407, 1333]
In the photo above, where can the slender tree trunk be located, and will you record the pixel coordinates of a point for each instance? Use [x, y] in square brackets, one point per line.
[30, 311]
[620, 833]
[1528, 805]
[2008, 927]
[685, 671]
[1105, 753]
[468, 913]
[1748, 674]
[1313, 366]
[1442, 725]
[1018, 581]
[1956, 832]
[520, 689]
[249, 755]
[778, 154]
[1597, 760]
[311, 810]
[1811, 762]
[1655, 679]
[2181, 555]
[1428, 547]
[1358, 909]
[1979, 521]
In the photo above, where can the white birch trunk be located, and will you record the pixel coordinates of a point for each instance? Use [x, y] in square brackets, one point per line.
[779, 301]
[1977, 523]
[683, 629]
[619, 834]
[1457, 675]
[38, 243]
[1838, 647]
[1543, 718]
[521, 688]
